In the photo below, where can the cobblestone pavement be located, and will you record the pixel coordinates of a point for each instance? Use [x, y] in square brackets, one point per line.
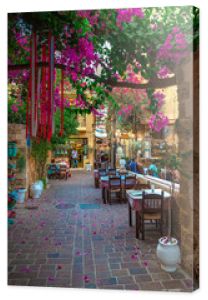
[73, 240]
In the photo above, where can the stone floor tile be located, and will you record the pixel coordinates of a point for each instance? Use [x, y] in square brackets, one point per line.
[151, 286]
[173, 284]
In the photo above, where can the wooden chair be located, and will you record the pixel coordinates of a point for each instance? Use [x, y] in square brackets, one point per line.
[129, 184]
[63, 172]
[142, 186]
[111, 171]
[52, 171]
[151, 210]
[114, 187]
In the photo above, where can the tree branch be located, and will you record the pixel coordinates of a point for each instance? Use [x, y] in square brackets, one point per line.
[154, 83]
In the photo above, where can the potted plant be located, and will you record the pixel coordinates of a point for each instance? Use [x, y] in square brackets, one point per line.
[168, 251]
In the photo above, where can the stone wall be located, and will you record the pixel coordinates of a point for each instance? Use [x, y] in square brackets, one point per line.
[185, 206]
[17, 132]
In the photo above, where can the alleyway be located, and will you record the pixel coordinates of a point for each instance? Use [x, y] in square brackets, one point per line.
[73, 240]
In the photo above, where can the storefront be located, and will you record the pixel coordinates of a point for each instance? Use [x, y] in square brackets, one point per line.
[78, 150]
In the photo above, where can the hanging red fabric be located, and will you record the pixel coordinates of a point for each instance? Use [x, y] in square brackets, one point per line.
[28, 104]
[43, 95]
[62, 103]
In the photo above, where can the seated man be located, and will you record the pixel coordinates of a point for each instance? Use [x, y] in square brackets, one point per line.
[152, 170]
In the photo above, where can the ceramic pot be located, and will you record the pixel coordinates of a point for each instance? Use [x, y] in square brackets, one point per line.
[21, 195]
[168, 254]
[35, 190]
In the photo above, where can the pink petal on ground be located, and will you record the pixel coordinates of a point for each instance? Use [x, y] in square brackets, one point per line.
[78, 253]
[94, 232]
[25, 270]
[59, 267]
[50, 278]
[145, 263]
[86, 278]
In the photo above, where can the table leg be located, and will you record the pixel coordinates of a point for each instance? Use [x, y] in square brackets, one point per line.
[137, 224]
[130, 215]
[103, 195]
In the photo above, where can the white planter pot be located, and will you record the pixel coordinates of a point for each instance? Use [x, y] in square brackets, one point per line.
[168, 254]
[40, 182]
[21, 195]
[35, 190]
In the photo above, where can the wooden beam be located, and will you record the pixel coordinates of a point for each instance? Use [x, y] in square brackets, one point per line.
[154, 83]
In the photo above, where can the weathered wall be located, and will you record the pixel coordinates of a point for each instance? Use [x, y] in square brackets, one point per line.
[185, 205]
[17, 132]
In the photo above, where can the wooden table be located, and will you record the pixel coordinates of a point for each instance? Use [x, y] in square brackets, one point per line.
[104, 183]
[134, 202]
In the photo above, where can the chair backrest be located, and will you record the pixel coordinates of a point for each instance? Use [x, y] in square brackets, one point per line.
[102, 172]
[152, 203]
[130, 181]
[142, 186]
[52, 167]
[63, 167]
[103, 165]
[114, 182]
[111, 171]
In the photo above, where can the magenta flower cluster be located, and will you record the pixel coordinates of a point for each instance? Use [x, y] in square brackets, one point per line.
[158, 121]
[163, 72]
[160, 98]
[125, 110]
[126, 15]
[90, 16]
[81, 60]
[174, 48]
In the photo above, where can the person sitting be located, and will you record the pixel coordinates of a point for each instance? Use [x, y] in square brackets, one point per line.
[133, 165]
[152, 170]
[140, 169]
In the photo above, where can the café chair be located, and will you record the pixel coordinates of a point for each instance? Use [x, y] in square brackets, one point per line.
[129, 184]
[63, 172]
[52, 171]
[114, 186]
[151, 210]
[111, 171]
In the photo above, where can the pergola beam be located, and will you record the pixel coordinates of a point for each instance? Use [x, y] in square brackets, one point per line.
[155, 83]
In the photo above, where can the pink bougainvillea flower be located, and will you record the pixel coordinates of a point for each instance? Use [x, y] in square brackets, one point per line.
[50, 278]
[94, 232]
[59, 267]
[163, 72]
[14, 108]
[158, 121]
[86, 278]
[160, 98]
[25, 270]
[145, 263]
[126, 15]
[133, 257]
[78, 253]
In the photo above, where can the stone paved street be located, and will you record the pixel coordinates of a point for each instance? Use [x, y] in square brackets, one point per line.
[73, 240]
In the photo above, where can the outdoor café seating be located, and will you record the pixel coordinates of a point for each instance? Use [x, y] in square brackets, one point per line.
[151, 210]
